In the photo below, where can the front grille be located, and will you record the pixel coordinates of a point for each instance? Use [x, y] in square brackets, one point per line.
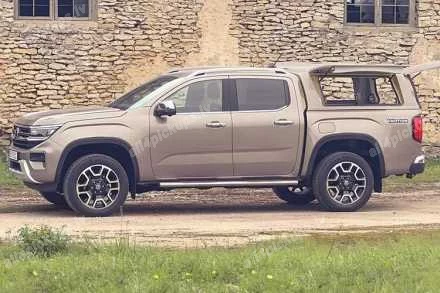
[21, 138]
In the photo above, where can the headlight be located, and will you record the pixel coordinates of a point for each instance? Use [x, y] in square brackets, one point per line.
[34, 133]
[42, 132]
[27, 137]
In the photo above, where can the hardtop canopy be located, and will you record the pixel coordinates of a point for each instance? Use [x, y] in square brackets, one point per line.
[320, 69]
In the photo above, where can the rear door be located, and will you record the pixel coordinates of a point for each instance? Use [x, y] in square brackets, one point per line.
[266, 126]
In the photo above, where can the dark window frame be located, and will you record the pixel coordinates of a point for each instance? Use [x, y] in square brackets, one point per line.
[53, 12]
[234, 104]
[378, 4]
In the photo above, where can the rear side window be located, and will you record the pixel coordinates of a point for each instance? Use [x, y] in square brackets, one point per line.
[359, 91]
[254, 94]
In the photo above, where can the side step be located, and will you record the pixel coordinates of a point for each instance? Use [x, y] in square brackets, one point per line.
[231, 183]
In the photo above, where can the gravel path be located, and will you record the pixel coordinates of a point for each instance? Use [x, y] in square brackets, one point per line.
[219, 217]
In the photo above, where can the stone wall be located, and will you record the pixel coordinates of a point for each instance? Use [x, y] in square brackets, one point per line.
[314, 30]
[46, 65]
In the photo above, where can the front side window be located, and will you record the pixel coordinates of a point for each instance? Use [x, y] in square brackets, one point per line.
[380, 12]
[261, 94]
[54, 9]
[202, 96]
[359, 91]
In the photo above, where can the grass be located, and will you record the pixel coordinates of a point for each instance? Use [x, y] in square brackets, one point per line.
[421, 181]
[370, 263]
[7, 179]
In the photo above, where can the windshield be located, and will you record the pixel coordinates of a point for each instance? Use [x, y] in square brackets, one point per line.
[136, 95]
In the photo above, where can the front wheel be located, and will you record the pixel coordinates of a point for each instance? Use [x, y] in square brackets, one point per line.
[343, 182]
[96, 186]
[295, 195]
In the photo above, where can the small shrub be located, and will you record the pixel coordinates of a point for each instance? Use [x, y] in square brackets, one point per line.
[42, 241]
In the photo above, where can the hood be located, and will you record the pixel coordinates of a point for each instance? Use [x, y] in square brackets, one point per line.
[68, 115]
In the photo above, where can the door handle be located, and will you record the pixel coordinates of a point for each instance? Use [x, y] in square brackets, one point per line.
[215, 124]
[283, 122]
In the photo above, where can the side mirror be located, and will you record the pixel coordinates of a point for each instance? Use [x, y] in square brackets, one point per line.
[166, 108]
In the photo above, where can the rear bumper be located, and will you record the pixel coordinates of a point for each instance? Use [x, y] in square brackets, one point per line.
[418, 166]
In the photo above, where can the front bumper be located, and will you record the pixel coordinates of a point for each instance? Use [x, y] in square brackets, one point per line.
[35, 166]
[21, 169]
[418, 166]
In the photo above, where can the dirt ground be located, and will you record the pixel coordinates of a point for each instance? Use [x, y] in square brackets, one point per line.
[219, 217]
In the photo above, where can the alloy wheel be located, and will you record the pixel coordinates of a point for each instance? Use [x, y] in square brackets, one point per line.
[346, 183]
[98, 187]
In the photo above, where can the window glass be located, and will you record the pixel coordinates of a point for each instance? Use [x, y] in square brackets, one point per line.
[26, 8]
[386, 92]
[34, 8]
[65, 8]
[261, 94]
[73, 8]
[141, 93]
[338, 90]
[360, 11]
[359, 91]
[41, 8]
[81, 8]
[203, 96]
[395, 11]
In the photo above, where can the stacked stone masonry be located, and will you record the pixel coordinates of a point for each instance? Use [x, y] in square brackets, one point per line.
[56, 64]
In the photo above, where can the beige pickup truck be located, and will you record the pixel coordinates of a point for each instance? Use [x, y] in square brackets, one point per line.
[329, 132]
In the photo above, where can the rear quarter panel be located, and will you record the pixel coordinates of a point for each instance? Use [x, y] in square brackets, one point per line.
[390, 127]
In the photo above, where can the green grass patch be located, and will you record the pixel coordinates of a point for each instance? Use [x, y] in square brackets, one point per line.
[370, 263]
[7, 179]
[421, 181]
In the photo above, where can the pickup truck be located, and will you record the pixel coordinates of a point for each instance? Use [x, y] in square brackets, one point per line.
[325, 132]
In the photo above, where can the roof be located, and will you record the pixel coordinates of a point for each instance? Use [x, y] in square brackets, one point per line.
[224, 70]
[312, 68]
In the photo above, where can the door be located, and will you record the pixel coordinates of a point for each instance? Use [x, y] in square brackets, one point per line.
[197, 141]
[266, 130]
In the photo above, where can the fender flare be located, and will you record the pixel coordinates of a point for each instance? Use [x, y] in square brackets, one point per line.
[99, 140]
[346, 136]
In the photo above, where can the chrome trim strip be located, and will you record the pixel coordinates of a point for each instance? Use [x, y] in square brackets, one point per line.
[237, 183]
[27, 173]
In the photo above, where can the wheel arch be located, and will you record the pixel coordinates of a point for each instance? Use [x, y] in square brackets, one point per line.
[362, 144]
[116, 148]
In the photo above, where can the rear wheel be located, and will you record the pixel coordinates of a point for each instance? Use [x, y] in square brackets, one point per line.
[295, 195]
[96, 186]
[343, 182]
[55, 198]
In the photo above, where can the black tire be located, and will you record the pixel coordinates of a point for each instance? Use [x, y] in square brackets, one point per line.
[55, 198]
[335, 198]
[77, 200]
[298, 196]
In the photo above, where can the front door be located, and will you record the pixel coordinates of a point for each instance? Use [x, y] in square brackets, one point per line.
[197, 142]
[266, 120]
